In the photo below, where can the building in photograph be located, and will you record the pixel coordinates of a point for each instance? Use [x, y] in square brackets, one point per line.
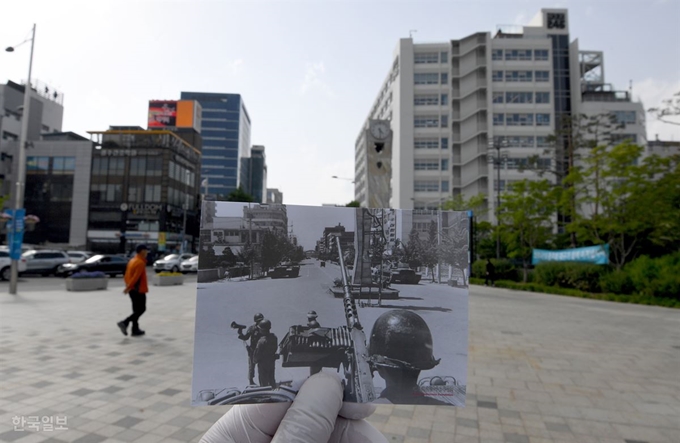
[326, 245]
[225, 129]
[446, 102]
[270, 217]
[254, 174]
[57, 188]
[141, 182]
[274, 196]
[663, 148]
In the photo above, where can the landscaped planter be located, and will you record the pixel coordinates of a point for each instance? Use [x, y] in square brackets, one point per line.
[86, 284]
[167, 280]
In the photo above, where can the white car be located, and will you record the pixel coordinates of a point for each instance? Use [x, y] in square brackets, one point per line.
[79, 256]
[171, 262]
[5, 265]
[190, 265]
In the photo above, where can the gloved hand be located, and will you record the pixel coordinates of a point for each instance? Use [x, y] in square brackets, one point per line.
[317, 415]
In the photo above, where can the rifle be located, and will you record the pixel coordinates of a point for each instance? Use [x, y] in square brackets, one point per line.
[360, 378]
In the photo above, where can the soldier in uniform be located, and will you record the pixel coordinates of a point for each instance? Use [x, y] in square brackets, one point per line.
[400, 347]
[311, 320]
[252, 333]
[265, 354]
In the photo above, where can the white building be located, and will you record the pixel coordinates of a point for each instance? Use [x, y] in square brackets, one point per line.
[447, 101]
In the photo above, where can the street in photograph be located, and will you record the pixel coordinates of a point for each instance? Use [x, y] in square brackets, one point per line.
[378, 296]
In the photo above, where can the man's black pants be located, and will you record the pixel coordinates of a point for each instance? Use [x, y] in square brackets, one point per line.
[138, 308]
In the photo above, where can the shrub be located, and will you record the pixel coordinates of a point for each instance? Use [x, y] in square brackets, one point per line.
[85, 274]
[574, 275]
[617, 282]
[505, 269]
[659, 277]
[169, 274]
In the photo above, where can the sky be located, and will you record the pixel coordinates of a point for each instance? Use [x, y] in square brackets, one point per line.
[308, 71]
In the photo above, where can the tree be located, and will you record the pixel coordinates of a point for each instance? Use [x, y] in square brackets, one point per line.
[239, 195]
[669, 108]
[411, 251]
[454, 245]
[526, 214]
[429, 253]
[459, 203]
[249, 255]
[272, 250]
[353, 204]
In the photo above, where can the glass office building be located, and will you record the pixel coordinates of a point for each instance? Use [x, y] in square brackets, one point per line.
[225, 129]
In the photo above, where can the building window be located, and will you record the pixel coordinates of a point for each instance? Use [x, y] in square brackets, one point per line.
[45, 128]
[444, 99]
[498, 97]
[426, 122]
[114, 193]
[444, 120]
[9, 136]
[445, 164]
[543, 142]
[518, 76]
[444, 57]
[621, 138]
[445, 143]
[542, 76]
[518, 54]
[498, 119]
[519, 97]
[425, 58]
[445, 78]
[542, 119]
[540, 54]
[154, 166]
[153, 193]
[497, 76]
[542, 97]
[518, 141]
[519, 119]
[38, 165]
[624, 117]
[63, 165]
[425, 143]
[116, 167]
[425, 186]
[445, 186]
[135, 193]
[426, 165]
[497, 54]
[426, 78]
[426, 100]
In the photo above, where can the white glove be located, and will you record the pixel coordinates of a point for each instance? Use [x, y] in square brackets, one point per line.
[317, 415]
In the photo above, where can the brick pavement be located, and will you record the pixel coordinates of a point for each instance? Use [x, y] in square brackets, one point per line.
[542, 369]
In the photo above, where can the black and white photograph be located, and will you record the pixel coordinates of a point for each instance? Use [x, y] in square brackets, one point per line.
[377, 296]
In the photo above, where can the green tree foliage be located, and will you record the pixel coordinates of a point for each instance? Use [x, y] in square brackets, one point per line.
[353, 204]
[457, 202]
[526, 216]
[239, 195]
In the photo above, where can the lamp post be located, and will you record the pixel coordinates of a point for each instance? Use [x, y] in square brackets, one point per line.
[343, 178]
[186, 207]
[497, 161]
[21, 159]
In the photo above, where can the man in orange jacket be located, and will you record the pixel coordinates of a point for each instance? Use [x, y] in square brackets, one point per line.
[136, 285]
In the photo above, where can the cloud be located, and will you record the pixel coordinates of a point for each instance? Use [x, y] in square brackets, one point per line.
[313, 80]
[651, 93]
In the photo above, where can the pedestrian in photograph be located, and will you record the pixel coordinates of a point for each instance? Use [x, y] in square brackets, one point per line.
[490, 273]
[253, 334]
[136, 285]
[265, 354]
[400, 348]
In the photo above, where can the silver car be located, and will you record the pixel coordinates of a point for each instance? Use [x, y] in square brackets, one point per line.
[44, 261]
[170, 262]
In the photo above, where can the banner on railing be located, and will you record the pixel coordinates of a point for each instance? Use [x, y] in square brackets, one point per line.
[598, 255]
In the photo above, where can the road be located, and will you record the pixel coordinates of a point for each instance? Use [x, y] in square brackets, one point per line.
[220, 357]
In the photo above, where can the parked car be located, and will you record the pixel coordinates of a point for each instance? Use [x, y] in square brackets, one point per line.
[5, 264]
[405, 276]
[112, 265]
[170, 262]
[44, 261]
[190, 265]
[79, 256]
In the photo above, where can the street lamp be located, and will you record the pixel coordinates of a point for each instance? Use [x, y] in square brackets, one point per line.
[497, 161]
[343, 178]
[21, 161]
[186, 207]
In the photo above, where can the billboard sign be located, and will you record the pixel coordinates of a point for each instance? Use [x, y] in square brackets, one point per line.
[162, 113]
[598, 255]
[15, 232]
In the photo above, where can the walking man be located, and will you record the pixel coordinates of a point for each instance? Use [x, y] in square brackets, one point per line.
[136, 285]
[265, 354]
[252, 333]
[490, 273]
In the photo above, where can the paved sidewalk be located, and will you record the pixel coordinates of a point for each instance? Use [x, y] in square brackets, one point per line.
[542, 369]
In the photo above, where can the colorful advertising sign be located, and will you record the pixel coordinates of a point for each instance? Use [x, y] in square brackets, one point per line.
[598, 255]
[162, 113]
[161, 241]
[15, 232]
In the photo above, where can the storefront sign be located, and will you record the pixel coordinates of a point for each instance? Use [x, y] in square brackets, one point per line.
[161, 241]
[145, 208]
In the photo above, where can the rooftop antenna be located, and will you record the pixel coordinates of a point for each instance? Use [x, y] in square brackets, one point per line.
[410, 33]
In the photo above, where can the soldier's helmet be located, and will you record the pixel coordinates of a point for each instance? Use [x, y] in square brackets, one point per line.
[312, 315]
[258, 317]
[265, 325]
[401, 339]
